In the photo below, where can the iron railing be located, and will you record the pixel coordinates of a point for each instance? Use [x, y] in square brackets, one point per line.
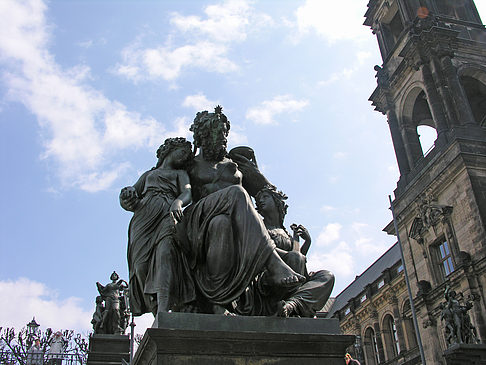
[39, 358]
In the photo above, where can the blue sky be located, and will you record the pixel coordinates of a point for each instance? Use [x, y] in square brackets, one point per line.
[90, 89]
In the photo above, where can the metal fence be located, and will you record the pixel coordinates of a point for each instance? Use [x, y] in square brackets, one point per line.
[39, 358]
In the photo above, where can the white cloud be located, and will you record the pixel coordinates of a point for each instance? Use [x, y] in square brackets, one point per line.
[333, 179]
[206, 43]
[82, 130]
[332, 20]
[268, 109]
[329, 234]
[364, 244]
[338, 259]
[224, 23]
[167, 62]
[199, 102]
[327, 208]
[237, 138]
[340, 155]
[347, 72]
[86, 44]
[22, 299]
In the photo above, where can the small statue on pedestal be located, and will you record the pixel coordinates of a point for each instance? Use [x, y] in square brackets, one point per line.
[458, 325]
[112, 316]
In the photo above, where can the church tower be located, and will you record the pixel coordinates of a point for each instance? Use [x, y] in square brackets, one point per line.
[433, 78]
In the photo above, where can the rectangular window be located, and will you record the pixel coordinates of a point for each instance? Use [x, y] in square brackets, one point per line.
[363, 298]
[445, 259]
[347, 311]
[400, 269]
[381, 283]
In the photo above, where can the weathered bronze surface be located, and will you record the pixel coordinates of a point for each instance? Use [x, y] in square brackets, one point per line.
[218, 255]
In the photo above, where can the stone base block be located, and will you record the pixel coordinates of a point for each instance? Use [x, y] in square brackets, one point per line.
[201, 339]
[461, 354]
[108, 349]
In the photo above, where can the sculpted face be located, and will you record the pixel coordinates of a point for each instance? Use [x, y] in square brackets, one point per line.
[215, 140]
[179, 156]
[266, 204]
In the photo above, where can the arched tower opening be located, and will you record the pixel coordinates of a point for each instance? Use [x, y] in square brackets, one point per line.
[418, 128]
[476, 95]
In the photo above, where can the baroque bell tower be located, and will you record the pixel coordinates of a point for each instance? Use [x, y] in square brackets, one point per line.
[434, 76]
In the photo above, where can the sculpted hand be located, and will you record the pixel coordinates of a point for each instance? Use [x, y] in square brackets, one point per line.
[129, 199]
[302, 232]
[176, 210]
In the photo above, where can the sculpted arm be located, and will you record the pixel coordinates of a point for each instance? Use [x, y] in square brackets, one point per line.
[184, 198]
[130, 195]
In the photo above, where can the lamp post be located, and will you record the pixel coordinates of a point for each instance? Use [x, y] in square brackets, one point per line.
[32, 329]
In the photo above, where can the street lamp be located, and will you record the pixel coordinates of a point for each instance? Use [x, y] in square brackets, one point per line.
[32, 328]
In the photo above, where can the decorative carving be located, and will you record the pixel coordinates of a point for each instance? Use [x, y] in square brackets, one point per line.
[420, 25]
[429, 322]
[464, 259]
[424, 288]
[429, 214]
[374, 314]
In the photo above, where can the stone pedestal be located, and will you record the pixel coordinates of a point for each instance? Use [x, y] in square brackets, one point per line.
[108, 349]
[202, 339]
[461, 354]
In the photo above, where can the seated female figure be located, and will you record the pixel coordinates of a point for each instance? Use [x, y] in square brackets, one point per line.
[303, 299]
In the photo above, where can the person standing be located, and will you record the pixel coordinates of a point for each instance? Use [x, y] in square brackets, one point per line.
[350, 360]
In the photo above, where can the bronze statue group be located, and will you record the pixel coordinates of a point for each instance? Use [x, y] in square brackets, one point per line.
[198, 243]
[458, 326]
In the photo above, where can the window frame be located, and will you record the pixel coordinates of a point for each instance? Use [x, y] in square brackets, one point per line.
[444, 258]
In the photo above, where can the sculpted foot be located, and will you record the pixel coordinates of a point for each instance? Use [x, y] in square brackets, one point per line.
[281, 274]
[287, 308]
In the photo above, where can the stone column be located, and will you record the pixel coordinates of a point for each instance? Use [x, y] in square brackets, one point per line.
[461, 102]
[398, 144]
[435, 103]
[444, 91]
[379, 342]
[398, 323]
[412, 144]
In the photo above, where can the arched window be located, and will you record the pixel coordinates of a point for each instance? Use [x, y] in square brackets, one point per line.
[391, 337]
[476, 95]
[408, 326]
[419, 129]
[372, 354]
